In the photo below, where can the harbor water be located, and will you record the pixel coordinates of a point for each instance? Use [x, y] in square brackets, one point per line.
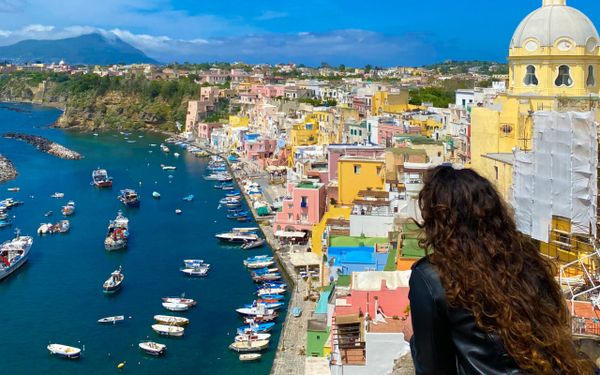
[57, 296]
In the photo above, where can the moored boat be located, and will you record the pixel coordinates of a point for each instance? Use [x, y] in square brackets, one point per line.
[14, 253]
[171, 320]
[153, 348]
[186, 301]
[168, 167]
[165, 330]
[64, 351]
[14, 189]
[258, 264]
[57, 195]
[247, 357]
[189, 198]
[129, 198]
[112, 319]
[155, 195]
[237, 236]
[118, 233]
[100, 178]
[114, 282]
[164, 148]
[254, 327]
[254, 244]
[191, 263]
[197, 271]
[253, 336]
[249, 346]
[264, 291]
[259, 310]
[175, 306]
[69, 209]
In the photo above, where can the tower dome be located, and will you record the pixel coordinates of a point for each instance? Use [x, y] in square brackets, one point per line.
[555, 25]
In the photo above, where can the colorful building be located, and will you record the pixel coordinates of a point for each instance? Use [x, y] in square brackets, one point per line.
[359, 173]
[302, 208]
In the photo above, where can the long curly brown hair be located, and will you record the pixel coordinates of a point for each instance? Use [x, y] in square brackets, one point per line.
[489, 268]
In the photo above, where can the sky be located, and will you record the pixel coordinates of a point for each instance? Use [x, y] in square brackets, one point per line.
[350, 32]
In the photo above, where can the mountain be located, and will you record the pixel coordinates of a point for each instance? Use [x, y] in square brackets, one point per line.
[90, 49]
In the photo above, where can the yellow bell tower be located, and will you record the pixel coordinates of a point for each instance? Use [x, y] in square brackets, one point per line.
[554, 55]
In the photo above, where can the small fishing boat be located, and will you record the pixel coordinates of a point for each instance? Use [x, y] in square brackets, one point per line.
[114, 282]
[155, 195]
[191, 263]
[175, 306]
[258, 264]
[247, 357]
[199, 271]
[153, 348]
[237, 236]
[272, 297]
[176, 154]
[62, 226]
[166, 330]
[249, 346]
[258, 310]
[263, 271]
[171, 320]
[233, 194]
[44, 228]
[69, 209]
[264, 291]
[267, 277]
[186, 301]
[49, 213]
[129, 198]
[118, 233]
[112, 319]
[227, 200]
[178, 211]
[64, 351]
[100, 178]
[259, 328]
[14, 189]
[260, 319]
[189, 198]
[6, 222]
[254, 244]
[57, 195]
[253, 336]
[268, 305]
[164, 148]
[168, 167]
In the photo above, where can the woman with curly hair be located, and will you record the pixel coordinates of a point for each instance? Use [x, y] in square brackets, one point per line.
[484, 300]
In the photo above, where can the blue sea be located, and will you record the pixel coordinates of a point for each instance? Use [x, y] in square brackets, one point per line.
[57, 296]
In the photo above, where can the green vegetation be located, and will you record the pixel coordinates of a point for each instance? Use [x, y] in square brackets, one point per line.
[115, 102]
[438, 96]
[319, 103]
[481, 67]
[390, 264]
[347, 241]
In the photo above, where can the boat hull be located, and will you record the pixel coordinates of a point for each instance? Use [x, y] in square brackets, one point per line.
[4, 273]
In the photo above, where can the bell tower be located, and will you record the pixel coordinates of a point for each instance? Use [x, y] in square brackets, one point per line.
[548, 3]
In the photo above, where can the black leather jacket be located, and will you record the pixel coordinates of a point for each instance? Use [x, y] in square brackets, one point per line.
[447, 341]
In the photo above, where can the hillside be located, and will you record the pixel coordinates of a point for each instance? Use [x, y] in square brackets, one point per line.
[91, 49]
[94, 102]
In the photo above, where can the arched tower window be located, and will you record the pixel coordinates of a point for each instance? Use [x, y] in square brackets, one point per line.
[591, 80]
[564, 76]
[530, 77]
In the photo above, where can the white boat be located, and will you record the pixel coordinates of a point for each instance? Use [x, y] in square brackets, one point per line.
[253, 337]
[171, 320]
[164, 148]
[112, 319]
[14, 189]
[247, 357]
[64, 351]
[166, 330]
[14, 253]
[168, 167]
[57, 195]
[237, 236]
[199, 271]
[265, 291]
[155, 195]
[44, 228]
[175, 306]
[192, 263]
[249, 346]
[258, 264]
[178, 211]
[258, 310]
[176, 154]
[185, 301]
[153, 348]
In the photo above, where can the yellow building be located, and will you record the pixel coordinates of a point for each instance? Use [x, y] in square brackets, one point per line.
[239, 121]
[339, 212]
[305, 133]
[384, 102]
[428, 125]
[554, 59]
[358, 173]
[553, 54]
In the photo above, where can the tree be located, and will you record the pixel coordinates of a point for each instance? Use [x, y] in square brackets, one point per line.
[368, 68]
[342, 68]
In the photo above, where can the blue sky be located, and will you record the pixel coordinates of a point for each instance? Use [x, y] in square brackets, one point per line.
[385, 32]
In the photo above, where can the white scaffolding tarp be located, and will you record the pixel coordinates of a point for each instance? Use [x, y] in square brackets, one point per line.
[558, 177]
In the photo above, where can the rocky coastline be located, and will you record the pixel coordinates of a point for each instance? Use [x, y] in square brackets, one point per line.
[45, 145]
[7, 169]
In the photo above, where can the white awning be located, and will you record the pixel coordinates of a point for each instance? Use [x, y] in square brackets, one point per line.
[304, 259]
[281, 233]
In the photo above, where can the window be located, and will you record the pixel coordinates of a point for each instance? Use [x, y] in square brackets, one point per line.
[304, 202]
[496, 170]
[356, 168]
[564, 76]
[591, 80]
[530, 77]
[378, 171]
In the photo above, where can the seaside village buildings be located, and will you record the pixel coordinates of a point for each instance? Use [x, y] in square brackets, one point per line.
[344, 170]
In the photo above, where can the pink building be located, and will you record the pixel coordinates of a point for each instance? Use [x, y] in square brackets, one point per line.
[204, 130]
[260, 150]
[335, 152]
[390, 302]
[209, 94]
[268, 91]
[304, 207]
[197, 109]
[387, 132]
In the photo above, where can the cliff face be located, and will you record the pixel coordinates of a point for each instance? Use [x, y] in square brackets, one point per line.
[90, 105]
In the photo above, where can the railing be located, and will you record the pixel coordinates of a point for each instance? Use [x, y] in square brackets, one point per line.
[585, 326]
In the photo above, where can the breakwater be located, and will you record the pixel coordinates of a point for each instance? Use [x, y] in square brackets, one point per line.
[7, 169]
[45, 145]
